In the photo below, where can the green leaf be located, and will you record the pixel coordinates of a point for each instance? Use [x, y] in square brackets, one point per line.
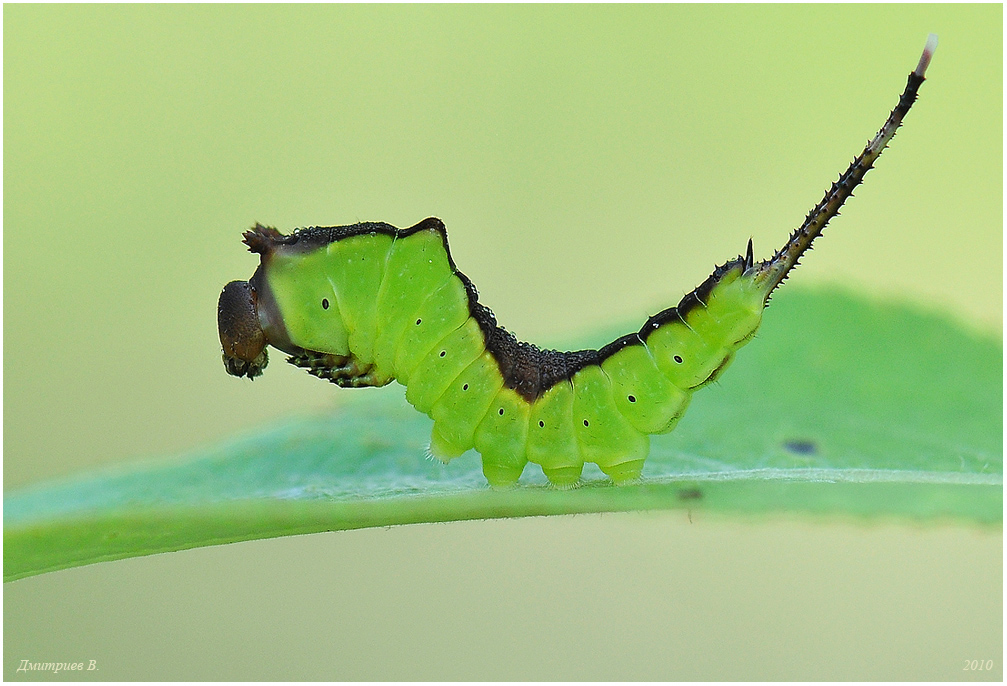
[840, 406]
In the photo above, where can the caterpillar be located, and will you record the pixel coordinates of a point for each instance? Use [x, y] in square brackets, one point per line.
[369, 303]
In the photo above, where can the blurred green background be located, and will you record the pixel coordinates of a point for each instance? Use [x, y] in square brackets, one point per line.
[592, 164]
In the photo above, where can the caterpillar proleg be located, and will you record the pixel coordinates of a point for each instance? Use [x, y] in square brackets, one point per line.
[369, 303]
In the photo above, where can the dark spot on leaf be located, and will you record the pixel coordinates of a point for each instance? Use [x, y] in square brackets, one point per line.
[678, 358]
[690, 494]
[801, 447]
[325, 304]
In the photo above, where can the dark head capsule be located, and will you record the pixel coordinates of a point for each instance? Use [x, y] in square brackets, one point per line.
[241, 336]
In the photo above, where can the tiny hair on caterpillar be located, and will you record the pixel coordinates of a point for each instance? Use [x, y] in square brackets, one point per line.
[366, 304]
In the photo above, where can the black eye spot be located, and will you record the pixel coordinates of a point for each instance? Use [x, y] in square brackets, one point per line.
[678, 358]
[632, 398]
[418, 322]
[465, 387]
[443, 353]
[585, 423]
[500, 411]
[541, 423]
[325, 304]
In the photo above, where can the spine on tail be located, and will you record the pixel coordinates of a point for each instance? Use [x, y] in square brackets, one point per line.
[772, 272]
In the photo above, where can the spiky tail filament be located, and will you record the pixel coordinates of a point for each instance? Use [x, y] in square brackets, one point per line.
[771, 273]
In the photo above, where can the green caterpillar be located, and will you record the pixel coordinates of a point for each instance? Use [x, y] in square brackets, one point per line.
[365, 304]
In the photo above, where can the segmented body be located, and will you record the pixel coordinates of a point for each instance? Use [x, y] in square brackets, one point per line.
[365, 304]
[423, 326]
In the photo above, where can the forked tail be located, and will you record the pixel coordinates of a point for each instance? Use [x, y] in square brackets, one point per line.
[771, 273]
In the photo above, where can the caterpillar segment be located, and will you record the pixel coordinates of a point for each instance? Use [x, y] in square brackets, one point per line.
[366, 304]
[357, 271]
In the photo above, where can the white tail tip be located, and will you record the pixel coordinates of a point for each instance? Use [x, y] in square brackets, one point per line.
[928, 52]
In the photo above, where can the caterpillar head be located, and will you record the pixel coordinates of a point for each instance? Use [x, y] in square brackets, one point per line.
[241, 335]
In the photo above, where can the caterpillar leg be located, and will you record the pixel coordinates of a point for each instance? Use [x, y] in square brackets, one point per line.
[564, 478]
[501, 437]
[442, 448]
[502, 476]
[312, 360]
[623, 473]
[345, 372]
[352, 380]
[551, 441]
